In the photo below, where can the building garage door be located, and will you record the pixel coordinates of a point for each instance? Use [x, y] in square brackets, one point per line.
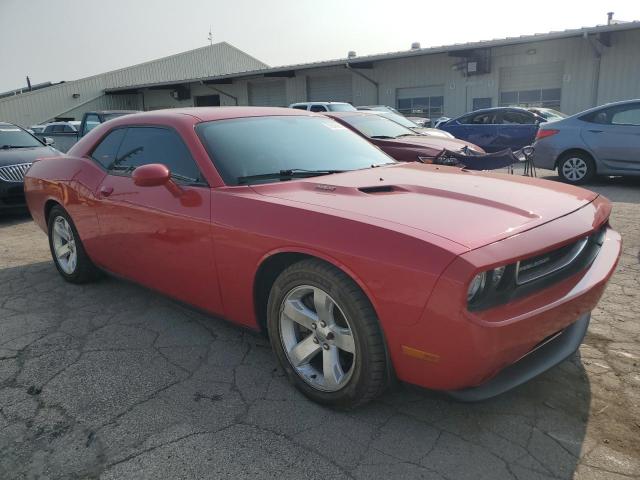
[268, 94]
[531, 85]
[425, 102]
[334, 88]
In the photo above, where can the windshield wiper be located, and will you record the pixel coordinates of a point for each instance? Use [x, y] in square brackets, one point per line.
[287, 174]
[6, 147]
[381, 136]
[406, 135]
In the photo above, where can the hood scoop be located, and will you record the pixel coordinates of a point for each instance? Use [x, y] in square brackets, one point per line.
[380, 189]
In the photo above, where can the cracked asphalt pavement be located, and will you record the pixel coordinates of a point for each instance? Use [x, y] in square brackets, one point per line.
[112, 381]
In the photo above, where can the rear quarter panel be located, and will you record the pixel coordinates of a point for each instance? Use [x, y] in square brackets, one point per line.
[72, 182]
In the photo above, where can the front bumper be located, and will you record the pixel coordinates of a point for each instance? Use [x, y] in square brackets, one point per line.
[12, 195]
[542, 358]
[453, 349]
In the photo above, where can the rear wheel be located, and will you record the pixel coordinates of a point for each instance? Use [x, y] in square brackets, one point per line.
[576, 168]
[326, 335]
[67, 250]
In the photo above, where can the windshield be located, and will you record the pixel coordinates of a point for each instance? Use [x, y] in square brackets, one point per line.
[14, 137]
[375, 126]
[340, 107]
[245, 147]
[402, 120]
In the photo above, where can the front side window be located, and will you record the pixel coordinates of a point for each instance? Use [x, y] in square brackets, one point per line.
[14, 137]
[246, 147]
[485, 118]
[318, 108]
[630, 115]
[145, 145]
[516, 118]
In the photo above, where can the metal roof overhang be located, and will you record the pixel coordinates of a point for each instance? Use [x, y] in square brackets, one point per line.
[368, 60]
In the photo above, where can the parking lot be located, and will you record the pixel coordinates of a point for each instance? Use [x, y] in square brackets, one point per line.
[111, 380]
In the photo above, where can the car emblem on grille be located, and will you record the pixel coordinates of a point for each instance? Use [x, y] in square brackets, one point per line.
[537, 263]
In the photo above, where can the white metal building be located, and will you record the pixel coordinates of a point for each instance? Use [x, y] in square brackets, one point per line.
[570, 70]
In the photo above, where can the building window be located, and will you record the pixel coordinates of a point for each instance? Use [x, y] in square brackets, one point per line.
[545, 97]
[480, 103]
[428, 107]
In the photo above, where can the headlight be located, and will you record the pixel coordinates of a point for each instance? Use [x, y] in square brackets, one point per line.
[476, 286]
[487, 285]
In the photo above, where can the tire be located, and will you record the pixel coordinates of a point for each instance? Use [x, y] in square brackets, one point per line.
[347, 365]
[76, 266]
[576, 168]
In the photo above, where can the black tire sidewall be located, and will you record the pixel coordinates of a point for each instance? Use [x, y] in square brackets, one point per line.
[358, 384]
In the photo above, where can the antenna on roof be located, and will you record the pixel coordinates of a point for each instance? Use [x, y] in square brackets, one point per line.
[210, 37]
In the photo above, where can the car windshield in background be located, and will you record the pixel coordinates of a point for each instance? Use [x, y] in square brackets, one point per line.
[248, 147]
[394, 117]
[375, 126]
[13, 137]
[341, 107]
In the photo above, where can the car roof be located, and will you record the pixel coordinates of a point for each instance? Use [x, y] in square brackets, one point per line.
[320, 103]
[604, 105]
[195, 115]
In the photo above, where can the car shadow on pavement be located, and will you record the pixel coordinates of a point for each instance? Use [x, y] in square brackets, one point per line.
[616, 189]
[8, 219]
[112, 380]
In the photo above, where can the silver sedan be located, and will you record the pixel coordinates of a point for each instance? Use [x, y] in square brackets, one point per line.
[604, 140]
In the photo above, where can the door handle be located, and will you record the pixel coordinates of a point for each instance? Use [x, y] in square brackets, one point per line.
[595, 131]
[106, 191]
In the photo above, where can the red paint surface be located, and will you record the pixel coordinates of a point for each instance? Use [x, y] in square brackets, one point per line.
[413, 249]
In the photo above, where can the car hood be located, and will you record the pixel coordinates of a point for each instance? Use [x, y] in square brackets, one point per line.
[15, 156]
[471, 209]
[437, 143]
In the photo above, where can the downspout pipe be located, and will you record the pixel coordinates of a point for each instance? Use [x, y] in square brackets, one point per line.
[596, 74]
[370, 80]
[215, 89]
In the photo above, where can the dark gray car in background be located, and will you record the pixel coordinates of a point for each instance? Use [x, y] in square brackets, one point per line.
[604, 140]
[18, 150]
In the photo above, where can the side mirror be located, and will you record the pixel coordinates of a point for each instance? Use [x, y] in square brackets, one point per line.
[151, 175]
[48, 141]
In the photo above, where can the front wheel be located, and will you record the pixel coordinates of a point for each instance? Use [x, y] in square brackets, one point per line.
[326, 335]
[69, 256]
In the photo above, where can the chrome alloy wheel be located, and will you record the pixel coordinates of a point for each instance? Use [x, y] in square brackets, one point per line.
[317, 338]
[64, 245]
[574, 169]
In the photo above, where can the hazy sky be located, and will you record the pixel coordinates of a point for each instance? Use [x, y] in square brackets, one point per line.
[53, 40]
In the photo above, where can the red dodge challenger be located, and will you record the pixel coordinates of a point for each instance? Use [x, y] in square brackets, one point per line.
[360, 269]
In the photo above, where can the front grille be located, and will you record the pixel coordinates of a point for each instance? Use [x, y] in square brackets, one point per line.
[14, 173]
[542, 265]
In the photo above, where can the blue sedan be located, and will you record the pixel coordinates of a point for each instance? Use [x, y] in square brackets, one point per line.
[495, 129]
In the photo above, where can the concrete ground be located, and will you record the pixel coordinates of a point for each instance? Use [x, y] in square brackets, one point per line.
[110, 380]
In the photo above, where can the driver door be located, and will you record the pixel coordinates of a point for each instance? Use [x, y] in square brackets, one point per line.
[159, 236]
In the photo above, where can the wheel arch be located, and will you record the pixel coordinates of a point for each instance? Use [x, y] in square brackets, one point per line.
[48, 206]
[274, 263]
